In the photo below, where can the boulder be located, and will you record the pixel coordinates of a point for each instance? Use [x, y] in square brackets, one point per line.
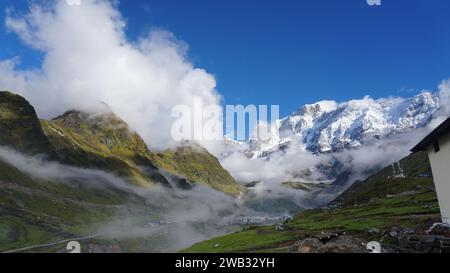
[338, 244]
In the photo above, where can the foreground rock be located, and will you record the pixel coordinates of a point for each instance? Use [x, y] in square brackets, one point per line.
[435, 240]
[333, 244]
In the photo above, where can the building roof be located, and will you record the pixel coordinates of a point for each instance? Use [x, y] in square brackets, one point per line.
[433, 136]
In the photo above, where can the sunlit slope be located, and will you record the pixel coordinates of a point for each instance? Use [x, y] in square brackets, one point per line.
[102, 141]
[105, 141]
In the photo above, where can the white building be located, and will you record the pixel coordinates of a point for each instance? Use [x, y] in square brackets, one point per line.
[437, 144]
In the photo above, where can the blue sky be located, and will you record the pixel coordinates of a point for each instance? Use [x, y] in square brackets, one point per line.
[294, 52]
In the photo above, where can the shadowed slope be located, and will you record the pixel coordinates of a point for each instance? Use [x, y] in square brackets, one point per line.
[20, 128]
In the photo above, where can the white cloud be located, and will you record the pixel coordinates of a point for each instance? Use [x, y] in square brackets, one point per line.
[444, 96]
[88, 59]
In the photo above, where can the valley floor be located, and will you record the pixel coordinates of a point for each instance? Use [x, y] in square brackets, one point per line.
[382, 219]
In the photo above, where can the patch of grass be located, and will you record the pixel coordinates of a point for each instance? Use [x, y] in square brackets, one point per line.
[382, 183]
[17, 232]
[253, 239]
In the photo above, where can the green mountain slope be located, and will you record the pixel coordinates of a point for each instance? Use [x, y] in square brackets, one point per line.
[33, 211]
[20, 128]
[197, 165]
[380, 202]
[105, 141]
[102, 141]
[416, 168]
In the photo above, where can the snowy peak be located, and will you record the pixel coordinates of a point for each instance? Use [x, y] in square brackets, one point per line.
[317, 109]
[416, 111]
[306, 116]
[328, 126]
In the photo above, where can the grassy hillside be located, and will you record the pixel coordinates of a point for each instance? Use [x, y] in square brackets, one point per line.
[105, 141]
[382, 183]
[378, 202]
[197, 165]
[33, 211]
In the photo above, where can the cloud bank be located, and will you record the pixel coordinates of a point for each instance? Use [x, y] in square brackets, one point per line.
[87, 59]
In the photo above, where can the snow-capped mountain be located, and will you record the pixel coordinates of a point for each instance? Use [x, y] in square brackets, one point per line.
[328, 126]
